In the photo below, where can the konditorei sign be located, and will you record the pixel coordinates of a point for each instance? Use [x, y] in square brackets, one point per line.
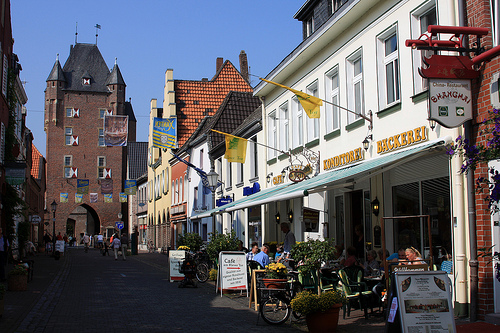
[344, 159]
[450, 101]
[402, 140]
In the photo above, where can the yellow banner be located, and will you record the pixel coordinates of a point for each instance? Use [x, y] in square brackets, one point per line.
[310, 103]
[236, 148]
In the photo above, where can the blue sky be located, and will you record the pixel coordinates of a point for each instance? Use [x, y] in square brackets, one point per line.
[148, 37]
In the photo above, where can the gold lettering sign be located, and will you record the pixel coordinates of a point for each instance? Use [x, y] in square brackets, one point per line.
[402, 140]
[343, 159]
[278, 180]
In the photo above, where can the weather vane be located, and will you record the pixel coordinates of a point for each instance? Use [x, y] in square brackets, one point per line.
[97, 26]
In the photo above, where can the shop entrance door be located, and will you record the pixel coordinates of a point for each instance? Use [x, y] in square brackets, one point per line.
[355, 222]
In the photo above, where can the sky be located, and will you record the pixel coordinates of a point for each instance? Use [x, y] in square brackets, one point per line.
[147, 37]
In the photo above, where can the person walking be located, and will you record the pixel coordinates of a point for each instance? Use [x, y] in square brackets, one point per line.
[124, 243]
[4, 247]
[116, 244]
[86, 242]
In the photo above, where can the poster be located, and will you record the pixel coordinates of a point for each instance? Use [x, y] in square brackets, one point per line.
[310, 219]
[78, 198]
[82, 186]
[115, 130]
[63, 197]
[123, 197]
[108, 198]
[233, 271]
[93, 197]
[175, 258]
[424, 301]
[130, 186]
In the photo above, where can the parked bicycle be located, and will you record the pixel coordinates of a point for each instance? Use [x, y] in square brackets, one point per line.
[275, 306]
[151, 247]
[202, 264]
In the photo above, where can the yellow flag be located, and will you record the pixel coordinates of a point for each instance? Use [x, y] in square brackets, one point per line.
[310, 103]
[236, 148]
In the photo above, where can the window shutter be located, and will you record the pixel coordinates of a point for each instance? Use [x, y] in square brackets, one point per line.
[76, 113]
[74, 140]
[74, 172]
[107, 173]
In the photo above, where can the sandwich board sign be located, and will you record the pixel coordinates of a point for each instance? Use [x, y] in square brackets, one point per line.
[232, 273]
[175, 259]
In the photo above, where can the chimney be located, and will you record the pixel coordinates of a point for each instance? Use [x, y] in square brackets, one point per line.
[218, 64]
[244, 65]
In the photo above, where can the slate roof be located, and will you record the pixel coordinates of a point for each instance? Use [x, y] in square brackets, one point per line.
[237, 106]
[197, 99]
[35, 158]
[85, 60]
[116, 76]
[137, 154]
[129, 111]
[56, 74]
[253, 118]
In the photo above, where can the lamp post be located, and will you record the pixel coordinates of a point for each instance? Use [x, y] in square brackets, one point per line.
[212, 178]
[53, 205]
[120, 215]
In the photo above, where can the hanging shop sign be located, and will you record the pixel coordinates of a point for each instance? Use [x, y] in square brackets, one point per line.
[310, 219]
[278, 180]
[224, 201]
[402, 140]
[450, 101]
[249, 190]
[344, 159]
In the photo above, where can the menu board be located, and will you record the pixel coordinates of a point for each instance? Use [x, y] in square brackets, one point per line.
[175, 259]
[424, 302]
[233, 271]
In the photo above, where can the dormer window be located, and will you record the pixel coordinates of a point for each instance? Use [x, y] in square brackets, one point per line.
[309, 26]
[86, 82]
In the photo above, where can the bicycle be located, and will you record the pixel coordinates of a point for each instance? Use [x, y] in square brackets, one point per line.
[151, 247]
[202, 264]
[276, 309]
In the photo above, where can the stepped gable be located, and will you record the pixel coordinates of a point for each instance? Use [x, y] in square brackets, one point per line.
[85, 60]
[197, 99]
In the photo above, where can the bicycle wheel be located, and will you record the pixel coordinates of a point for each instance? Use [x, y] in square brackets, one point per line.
[274, 311]
[202, 272]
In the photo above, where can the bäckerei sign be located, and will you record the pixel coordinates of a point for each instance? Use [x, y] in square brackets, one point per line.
[450, 101]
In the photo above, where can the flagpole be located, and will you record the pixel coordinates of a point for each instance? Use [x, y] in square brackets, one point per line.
[261, 144]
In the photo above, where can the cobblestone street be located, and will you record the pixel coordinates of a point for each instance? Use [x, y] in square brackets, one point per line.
[86, 292]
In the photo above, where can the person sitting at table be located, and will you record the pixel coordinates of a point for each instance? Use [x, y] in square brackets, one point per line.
[371, 263]
[279, 253]
[397, 256]
[253, 252]
[262, 257]
[414, 257]
[351, 259]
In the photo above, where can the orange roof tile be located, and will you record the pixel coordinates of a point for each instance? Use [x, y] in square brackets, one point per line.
[197, 99]
[35, 157]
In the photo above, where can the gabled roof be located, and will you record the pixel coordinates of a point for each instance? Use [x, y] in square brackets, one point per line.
[56, 74]
[236, 108]
[197, 99]
[129, 111]
[35, 158]
[85, 60]
[116, 76]
[137, 154]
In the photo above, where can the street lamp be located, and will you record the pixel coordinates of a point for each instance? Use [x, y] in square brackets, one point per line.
[54, 208]
[213, 180]
[120, 215]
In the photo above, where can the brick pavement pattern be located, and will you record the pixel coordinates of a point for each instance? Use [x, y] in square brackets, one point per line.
[86, 292]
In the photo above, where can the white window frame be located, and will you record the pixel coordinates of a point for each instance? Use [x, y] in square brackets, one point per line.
[68, 133]
[69, 112]
[173, 191]
[298, 129]
[419, 83]
[68, 164]
[229, 178]
[239, 173]
[495, 22]
[101, 166]
[254, 167]
[309, 26]
[312, 123]
[332, 93]
[100, 137]
[383, 62]
[355, 103]
[285, 128]
[272, 134]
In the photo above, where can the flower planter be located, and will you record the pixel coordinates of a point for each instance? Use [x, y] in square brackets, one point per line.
[324, 321]
[275, 283]
[18, 282]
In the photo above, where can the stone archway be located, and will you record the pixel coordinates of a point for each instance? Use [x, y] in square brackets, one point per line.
[84, 219]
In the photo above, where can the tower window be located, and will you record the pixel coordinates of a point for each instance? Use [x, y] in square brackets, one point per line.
[86, 82]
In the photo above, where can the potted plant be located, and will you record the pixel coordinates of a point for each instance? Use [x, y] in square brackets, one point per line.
[321, 311]
[221, 242]
[275, 276]
[17, 278]
[311, 254]
[191, 240]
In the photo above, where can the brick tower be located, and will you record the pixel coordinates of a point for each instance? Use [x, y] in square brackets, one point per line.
[77, 98]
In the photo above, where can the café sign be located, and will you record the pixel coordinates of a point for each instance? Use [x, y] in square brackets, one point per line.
[450, 101]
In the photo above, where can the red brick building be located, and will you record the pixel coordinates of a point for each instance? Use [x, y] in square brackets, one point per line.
[485, 95]
[77, 98]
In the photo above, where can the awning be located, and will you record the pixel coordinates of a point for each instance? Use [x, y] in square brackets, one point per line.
[329, 180]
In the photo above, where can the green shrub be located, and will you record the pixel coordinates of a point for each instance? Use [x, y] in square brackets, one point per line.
[191, 240]
[221, 242]
[306, 302]
[212, 275]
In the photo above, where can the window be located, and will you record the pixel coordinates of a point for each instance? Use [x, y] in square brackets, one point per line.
[332, 114]
[229, 171]
[388, 67]
[101, 137]
[298, 127]
[68, 132]
[355, 93]
[69, 112]
[181, 190]
[218, 166]
[186, 187]
[421, 18]
[173, 191]
[201, 159]
[254, 168]
[176, 199]
[272, 134]
[195, 198]
[285, 132]
[309, 26]
[102, 113]
[312, 123]
[68, 163]
[336, 4]
[101, 166]
[239, 173]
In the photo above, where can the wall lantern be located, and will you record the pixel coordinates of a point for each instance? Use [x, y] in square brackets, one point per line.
[290, 216]
[432, 124]
[283, 174]
[277, 216]
[375, 206]
[366, 143]
[268, 178]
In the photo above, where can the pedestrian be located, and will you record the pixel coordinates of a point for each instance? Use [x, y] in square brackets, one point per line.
[4, 248]
[106, 246]
[86, 242]
[124, 242]
[47, 240]
[100, 239]
[116, 246]
[289, 241]
[59, 237]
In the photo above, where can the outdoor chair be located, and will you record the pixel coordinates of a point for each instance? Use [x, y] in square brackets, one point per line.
[356, 292]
